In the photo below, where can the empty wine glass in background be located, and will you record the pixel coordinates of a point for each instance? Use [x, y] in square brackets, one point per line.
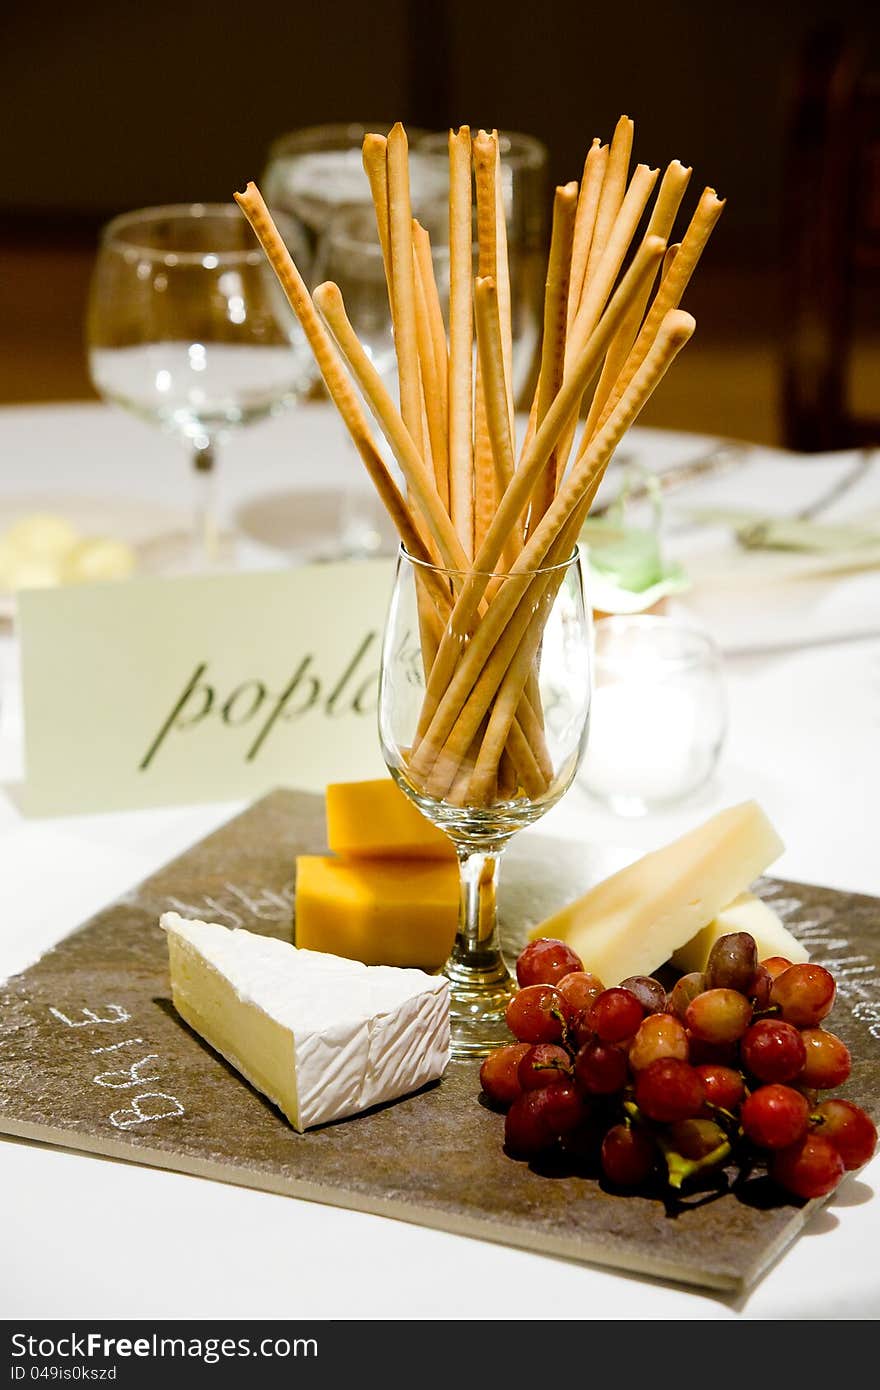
[188, 329]
[525, 191]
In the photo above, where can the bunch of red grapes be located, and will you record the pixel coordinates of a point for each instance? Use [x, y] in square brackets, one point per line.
[731, 1061]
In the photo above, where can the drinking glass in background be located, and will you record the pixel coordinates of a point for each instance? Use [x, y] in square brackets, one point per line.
[525, 190]
[188, 328]
[349, 253]
[314, 173]
[659, 713]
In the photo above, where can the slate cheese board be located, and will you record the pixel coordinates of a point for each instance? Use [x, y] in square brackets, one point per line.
[93, 1057]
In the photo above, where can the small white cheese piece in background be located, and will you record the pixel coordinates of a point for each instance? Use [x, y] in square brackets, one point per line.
[322, 1037]
[745, 913]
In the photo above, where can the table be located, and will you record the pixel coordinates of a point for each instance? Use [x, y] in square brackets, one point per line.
[91, 1238]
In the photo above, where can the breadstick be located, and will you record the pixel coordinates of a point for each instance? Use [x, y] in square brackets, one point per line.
[565, 207]
[460, 390]
[375, 159]
[595, 165]
[502, 284]
[425, 268]
[602, 275]
[491, 359]
[403, 284]
[486, 494]
[613, 190]
[332, 370]
[672, 189]
[510, 612]
[431, 377]
[516, 497]
[668, 296]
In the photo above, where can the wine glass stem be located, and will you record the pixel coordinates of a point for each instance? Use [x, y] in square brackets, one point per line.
[476, 955]
[205, 538]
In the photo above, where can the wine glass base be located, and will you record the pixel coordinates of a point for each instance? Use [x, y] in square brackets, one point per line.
[477, 1009]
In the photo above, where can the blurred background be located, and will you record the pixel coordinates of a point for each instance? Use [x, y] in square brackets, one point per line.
[110, 107]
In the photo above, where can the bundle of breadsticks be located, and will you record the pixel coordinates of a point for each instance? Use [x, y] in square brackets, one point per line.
[497, 526]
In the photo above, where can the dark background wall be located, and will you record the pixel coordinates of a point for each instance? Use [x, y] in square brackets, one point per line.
[109, 104]
[113, 104]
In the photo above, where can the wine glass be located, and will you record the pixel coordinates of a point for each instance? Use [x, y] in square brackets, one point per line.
[480, 801]
[187, 328]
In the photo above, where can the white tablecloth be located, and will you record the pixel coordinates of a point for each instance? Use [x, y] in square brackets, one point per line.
[92, 1238]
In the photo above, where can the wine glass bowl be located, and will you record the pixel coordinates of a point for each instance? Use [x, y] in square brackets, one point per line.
[482, 788]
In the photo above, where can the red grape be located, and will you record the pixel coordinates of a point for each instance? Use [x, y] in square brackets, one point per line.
[561, 1107]
[759, 990]
[527, 1129]
[774, 965]
[600, 1069]
[774, 1117]
[773, 1051]
[683, 991]
[628, 1155]
[649, 992]
[659, 1035]
[584, 1141]
[546, 962]
[669, 1090]
[723, 1086]
[810, 1168]
[828, 1061]
[499, 1073]
[537, 1014]
[849, 1129]
[579, 989]
[732, 962]
[543, 1065]
[804, 993]
[615, 1015]
[696, 1138]
[718, 1015]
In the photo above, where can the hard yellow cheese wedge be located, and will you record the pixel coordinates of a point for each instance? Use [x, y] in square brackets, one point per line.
[375, 820]
[745, 913]
[632, 922]
[381, 912]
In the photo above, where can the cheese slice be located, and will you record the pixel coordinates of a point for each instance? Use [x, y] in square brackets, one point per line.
[745, 913]
[632, 922]
[377, 820]
[321, 1037]
[380, 911]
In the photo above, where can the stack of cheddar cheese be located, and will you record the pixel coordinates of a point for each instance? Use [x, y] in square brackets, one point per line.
[388, 894]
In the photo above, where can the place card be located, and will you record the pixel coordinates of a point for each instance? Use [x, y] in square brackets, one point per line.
[201, 688]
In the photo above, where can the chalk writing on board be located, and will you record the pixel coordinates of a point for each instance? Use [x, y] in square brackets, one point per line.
[233, 906]
[140, 1109]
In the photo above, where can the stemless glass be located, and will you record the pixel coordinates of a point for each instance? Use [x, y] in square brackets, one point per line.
[550, 698]
[187, 328]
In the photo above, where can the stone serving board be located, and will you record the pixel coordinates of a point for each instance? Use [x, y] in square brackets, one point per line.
[93, 1057]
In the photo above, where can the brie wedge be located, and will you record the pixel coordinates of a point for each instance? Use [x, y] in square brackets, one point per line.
[322, 1037]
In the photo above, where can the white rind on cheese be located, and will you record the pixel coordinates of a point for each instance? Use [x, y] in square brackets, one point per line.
[746, 913]
[633, 922]
[322, 1037]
